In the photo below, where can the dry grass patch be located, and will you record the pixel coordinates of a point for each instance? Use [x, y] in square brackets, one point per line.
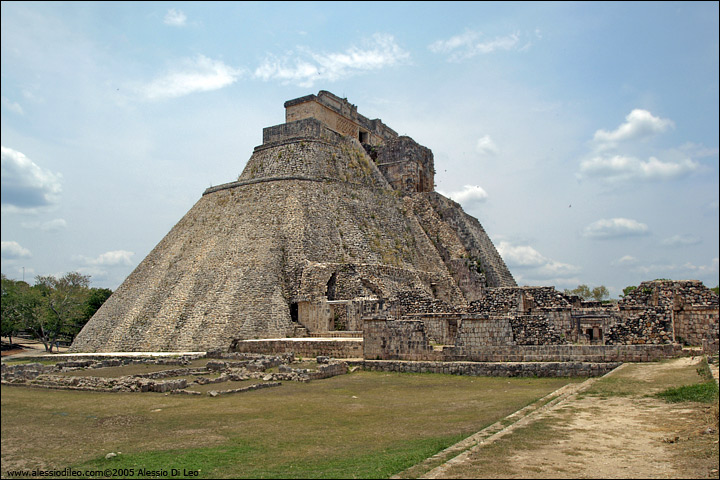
[363, 425]
[616, 429]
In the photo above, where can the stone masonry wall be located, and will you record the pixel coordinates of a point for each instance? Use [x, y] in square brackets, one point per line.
[407, 165]
[345, 348]
[383, 340]
[494, 369]
[407, 340]
[665, 310]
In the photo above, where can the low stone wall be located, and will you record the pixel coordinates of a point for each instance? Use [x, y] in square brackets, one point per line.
[568, 353]
[532, 369]
[306, 347]
[407, 340]
[128, 383]
[24, 371]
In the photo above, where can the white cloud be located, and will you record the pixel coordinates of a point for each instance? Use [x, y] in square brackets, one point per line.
[486, 146]
[638, 124]
[615, 228]
[175, 18]
[12, 106]
[625, 168]
[13, 250]
[681, 240]
[109, 259]
[25, 185]
[627, 260]
[49, 226]
[199, 74]
[378, 52]
[470, 44]
[469, 194]
[534, 265]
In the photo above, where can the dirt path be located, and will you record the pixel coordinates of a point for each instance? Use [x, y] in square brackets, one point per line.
[626, 436]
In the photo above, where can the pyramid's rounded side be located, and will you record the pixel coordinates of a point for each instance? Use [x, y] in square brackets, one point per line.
[232, 265]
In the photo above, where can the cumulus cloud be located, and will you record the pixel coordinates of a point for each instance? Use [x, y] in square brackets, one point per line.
[471, 43]
[308, 67]
[486, 146]
[532, 265]
[175, 18]
[109, 259]
[25, 185]
[638, 124]
[469, 194]
[199, 74]
[625, 168]
[681, 241]
[13, 251]
[615, 228]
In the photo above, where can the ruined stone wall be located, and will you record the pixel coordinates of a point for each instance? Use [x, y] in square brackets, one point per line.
[408, 340]
[536, 330]
[639, 326]
[407, 166]
[493, 369]
[665, 310]
[441, 329]
[338, 348]
[695, 309]
[396, 340]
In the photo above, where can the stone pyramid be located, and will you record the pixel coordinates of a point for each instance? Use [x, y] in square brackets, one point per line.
[334, 216]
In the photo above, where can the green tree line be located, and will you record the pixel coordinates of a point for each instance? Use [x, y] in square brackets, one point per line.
[52, 310]
[598, 294]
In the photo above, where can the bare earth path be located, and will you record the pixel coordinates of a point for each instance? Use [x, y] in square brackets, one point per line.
[629, 435]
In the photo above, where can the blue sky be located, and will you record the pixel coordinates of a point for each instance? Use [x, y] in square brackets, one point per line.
[583, 136]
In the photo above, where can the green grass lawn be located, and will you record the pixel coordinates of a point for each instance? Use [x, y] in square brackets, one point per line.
[362, 425]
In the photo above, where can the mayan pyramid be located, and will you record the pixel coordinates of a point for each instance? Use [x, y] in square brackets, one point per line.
[334, 214]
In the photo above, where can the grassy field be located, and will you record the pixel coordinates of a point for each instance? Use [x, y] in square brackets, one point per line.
[362, 425]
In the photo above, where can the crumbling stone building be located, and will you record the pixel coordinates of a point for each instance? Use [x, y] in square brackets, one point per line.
[333, 219]
[542, 324]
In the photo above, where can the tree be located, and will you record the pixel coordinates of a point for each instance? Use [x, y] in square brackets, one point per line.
[627, 290]
[18, 304]
[95, 299]
[597, 294]
[582, 291]
[600, 293]
[62, 306]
